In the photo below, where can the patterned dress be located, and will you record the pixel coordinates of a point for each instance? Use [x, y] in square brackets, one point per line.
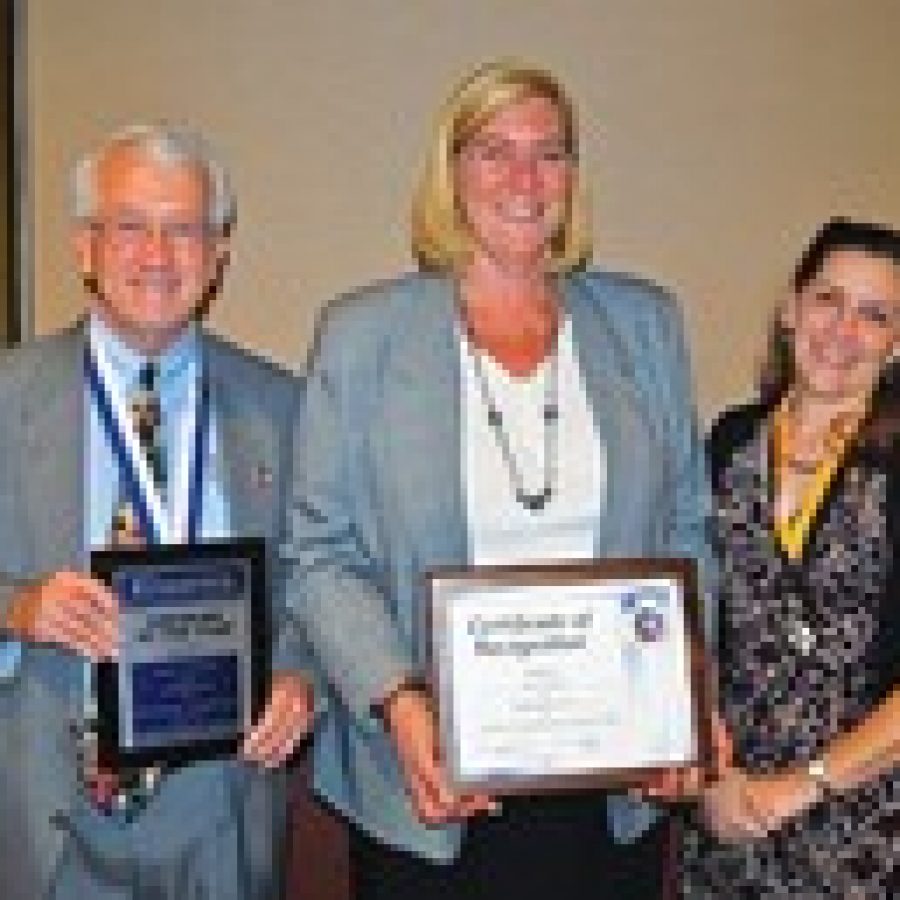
[802, 659]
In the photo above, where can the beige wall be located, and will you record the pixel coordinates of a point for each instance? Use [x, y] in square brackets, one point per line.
[718, 133]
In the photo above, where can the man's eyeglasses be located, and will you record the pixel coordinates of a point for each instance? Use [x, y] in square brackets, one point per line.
[133, 231]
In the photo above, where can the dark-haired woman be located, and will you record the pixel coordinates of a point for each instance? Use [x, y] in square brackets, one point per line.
[807, 531]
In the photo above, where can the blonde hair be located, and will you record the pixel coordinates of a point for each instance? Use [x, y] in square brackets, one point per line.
[441, 240]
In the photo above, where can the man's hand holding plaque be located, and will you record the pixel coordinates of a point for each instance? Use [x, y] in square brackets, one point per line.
[68, 609]
[284, 723]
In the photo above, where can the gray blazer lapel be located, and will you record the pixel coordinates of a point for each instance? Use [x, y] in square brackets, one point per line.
[53, 441]
[247, 446]
[421, 412]
[619, 417]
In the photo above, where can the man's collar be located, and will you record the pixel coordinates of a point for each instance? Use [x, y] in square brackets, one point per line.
[173, 362]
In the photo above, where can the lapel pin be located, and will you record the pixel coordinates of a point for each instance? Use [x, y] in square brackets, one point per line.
[262, 476]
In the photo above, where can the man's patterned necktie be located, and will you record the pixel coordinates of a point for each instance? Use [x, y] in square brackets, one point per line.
[126, 791]
[146, 419]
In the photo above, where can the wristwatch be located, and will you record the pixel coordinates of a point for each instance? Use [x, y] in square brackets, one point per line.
[817, 772]
[378, 710]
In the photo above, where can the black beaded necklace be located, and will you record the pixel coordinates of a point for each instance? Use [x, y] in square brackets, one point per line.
[530, 501]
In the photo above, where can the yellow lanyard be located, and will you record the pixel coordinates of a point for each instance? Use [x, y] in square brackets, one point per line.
[792, 529]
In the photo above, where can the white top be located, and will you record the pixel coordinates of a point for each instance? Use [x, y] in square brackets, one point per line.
[501, 530]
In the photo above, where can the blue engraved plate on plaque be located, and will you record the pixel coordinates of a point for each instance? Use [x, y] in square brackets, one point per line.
[184, 666]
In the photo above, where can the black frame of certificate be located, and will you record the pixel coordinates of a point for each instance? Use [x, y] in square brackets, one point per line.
[680, 569]
[104, 565]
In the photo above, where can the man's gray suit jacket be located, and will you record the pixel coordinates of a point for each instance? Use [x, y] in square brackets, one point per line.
[42, 523]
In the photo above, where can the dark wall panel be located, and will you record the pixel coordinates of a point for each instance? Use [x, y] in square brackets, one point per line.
[10, 324]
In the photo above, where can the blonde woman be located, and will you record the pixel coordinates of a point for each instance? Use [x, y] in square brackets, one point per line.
[503, 404]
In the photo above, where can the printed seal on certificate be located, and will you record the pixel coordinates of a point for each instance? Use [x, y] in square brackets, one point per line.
[551, 677]
[193, 666]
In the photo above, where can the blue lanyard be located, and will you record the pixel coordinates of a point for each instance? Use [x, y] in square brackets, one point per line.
[198, 464]
[114, 431]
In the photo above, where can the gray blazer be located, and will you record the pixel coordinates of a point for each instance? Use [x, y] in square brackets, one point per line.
[378, 500]
[42, 530]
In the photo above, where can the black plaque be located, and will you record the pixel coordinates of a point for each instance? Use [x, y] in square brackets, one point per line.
[193, 667]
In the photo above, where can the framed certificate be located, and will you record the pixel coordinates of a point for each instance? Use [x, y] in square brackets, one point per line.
[573, 675]
[193, 666]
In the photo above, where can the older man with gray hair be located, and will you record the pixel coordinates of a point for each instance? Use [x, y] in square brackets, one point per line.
[153, 217]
